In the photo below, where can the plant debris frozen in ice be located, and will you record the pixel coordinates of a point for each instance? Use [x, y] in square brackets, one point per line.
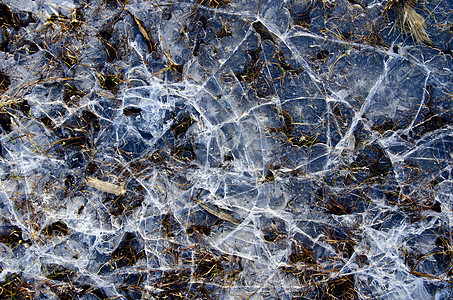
[226, 149]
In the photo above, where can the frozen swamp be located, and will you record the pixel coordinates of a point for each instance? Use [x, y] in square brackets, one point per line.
[226, 149]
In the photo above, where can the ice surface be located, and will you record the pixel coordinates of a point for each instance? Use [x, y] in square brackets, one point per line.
[319, 127]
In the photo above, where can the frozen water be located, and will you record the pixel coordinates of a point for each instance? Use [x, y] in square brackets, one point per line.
[268, 149]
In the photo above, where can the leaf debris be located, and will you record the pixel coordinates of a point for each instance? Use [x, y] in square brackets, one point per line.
[217, 211]
[107, 187]
[141, 28]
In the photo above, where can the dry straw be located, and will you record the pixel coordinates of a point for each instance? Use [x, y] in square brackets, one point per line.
[408, 20]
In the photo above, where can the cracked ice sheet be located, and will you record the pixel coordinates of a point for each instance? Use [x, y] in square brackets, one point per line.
[318, 126]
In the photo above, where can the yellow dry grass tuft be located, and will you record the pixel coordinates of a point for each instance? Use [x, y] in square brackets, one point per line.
[408, 20]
